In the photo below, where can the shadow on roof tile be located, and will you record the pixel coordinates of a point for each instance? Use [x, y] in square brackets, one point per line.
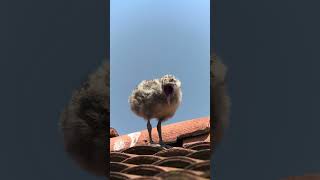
[203, 154]
[176, 162]
[143, 150]
[202, 138]
[147, 178]
[122, 176]
[118, 157]
[142, 159]
[144, 170]
[200, 166]
[180, 175]
[118, 166]
[176, 151]
[197, 145]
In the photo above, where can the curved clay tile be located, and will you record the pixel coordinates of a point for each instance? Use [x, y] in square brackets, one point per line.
[143, 150]
[176, 162]
[145, 170]
[180, 174]
[198, 145]
[176, 151]
[206, 174]
[203, 154]
[142, 159]
[121, 176]
[171, 134]
[118, 157]
[117, 166]
[200, 166]
[148, 178]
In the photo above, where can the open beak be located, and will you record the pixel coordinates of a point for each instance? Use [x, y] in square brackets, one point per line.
[168, 90]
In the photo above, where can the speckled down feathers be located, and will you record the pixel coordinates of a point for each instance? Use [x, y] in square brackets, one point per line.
[148, 99]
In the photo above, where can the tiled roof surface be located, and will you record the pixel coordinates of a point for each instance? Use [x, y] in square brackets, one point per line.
[131, 156]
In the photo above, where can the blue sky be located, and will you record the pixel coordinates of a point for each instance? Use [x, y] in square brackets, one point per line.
[151, 38]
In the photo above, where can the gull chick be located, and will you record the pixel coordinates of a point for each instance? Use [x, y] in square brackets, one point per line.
[157, 98]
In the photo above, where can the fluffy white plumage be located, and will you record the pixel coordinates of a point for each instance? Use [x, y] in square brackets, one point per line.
[157, 98]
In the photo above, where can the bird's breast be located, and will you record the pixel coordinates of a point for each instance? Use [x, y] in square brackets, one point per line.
[165, 110]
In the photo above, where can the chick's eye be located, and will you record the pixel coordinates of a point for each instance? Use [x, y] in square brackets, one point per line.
[171, 80]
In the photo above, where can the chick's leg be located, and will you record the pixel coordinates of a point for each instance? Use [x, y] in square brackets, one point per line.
[160, 135]
[160, 132]
[149, 127]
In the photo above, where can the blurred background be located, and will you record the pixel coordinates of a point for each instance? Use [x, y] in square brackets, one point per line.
[48, 48]
[272, 51]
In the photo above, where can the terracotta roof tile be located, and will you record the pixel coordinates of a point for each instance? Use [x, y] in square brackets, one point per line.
[200, 166]
[197, 145]
[121, 176]
[143, 159]
[181, 175]
[205, 138]
[145, 170]
[201, 154]
[176, 162]
[176, 151]
[143, 150]
[189, 158]
[170, 134]
[147, 178]
[118, 157]
[118, 166]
